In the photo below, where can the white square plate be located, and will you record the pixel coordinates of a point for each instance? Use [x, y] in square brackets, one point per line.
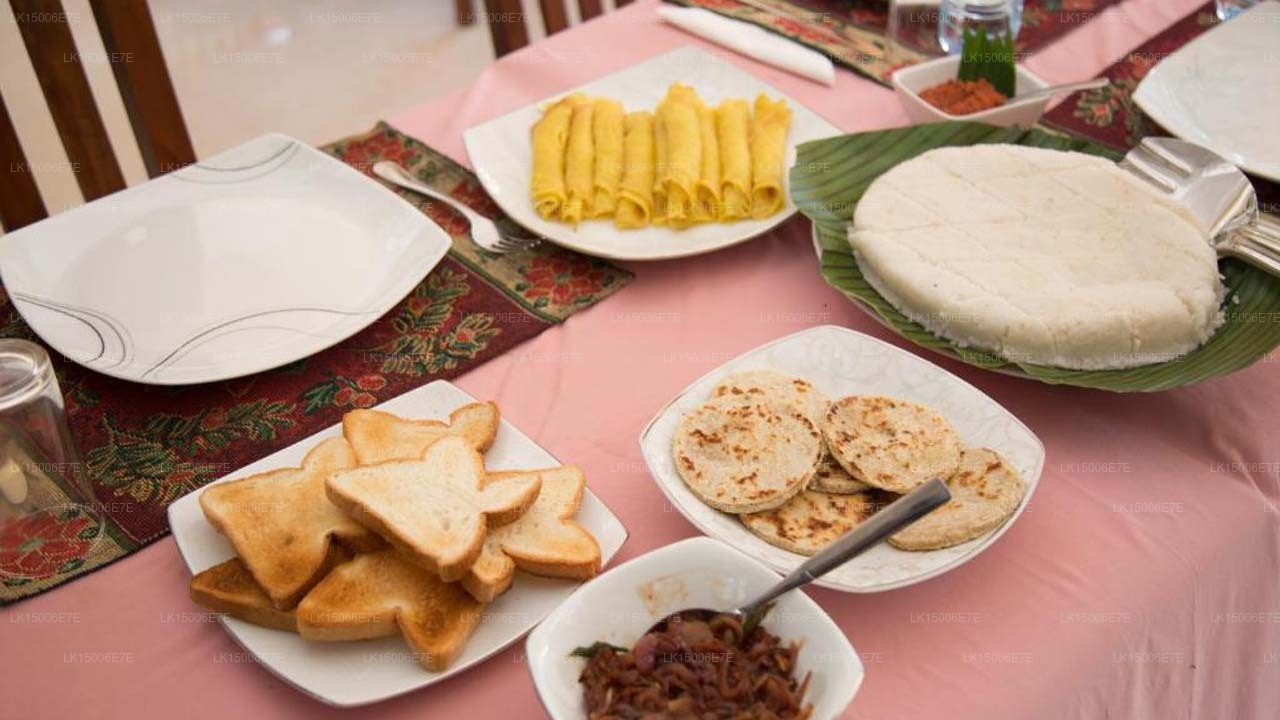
[841, 362]
[1222, 91]
[619, 606]
[357, 673]
[262, 255]
[501, 155]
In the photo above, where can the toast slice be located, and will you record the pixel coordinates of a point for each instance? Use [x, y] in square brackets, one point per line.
[544, 541]
[436, 510]
[282, 524]
[382, 593]
[229, 588]
[378, 436]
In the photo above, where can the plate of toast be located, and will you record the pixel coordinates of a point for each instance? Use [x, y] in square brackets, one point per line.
[389, 552]
[789, 446]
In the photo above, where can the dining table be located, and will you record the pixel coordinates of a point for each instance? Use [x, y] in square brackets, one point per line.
[1142, 581]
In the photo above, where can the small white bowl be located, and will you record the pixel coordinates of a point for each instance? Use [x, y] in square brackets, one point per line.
[909, 82]
[620, 605]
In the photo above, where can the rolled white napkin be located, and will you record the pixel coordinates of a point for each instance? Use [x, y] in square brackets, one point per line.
[752, 41]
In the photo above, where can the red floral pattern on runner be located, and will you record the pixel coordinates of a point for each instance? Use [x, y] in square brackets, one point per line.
[44, 543]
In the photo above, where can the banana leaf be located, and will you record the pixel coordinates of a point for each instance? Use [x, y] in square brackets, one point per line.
[830, 176]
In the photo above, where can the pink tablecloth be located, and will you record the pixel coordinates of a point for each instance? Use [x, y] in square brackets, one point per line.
[1141, 583]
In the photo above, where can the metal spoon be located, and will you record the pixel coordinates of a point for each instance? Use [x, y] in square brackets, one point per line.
[1052, 90]
[902, 512]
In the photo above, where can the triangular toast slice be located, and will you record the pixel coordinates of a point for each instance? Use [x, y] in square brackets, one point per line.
[435, 510]
[229, 588]
[378, 436]
[282, 524]
[544, 541]
[381, 593]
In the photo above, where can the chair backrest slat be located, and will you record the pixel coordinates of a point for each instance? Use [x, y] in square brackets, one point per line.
[53, 53]
[134, 51]
[506, 25]
[20, 203]
[589, 8]
[554, 17]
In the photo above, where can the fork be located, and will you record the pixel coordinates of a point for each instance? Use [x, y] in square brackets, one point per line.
[1217, 193]
[484, 231]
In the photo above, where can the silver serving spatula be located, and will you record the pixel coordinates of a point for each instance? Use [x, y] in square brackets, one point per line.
[1217, 193]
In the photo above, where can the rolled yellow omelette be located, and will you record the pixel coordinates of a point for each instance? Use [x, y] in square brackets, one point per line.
[662, 164]
[579, 165]
[768, 154]
[732, 128]
[635, 193]
[706, 206]
[679, 115]
[606, 135]
[550, 135]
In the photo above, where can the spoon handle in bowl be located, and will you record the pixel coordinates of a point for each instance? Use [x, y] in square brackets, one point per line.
[900, 513]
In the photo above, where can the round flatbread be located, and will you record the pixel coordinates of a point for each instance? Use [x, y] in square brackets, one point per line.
[892, 444]
[811, 520]
[740, 454]
[831, 478]
[985, 491]
[770, 384]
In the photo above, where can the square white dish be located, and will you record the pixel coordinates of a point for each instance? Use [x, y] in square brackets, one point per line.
[259, 256]
[502, 157]
[842, 362]
[343, 674]
[909, 82]
[620, 605]
[1220, 90]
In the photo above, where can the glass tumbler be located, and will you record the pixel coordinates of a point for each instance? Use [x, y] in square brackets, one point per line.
[995, 17]
[1228, 9]
[48, 518]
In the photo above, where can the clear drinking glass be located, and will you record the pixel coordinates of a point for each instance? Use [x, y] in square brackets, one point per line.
[912, 31]
[46, 502]
[995, 17]
[1228, 9]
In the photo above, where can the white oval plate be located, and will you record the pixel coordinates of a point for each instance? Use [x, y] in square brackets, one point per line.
[502, 157]
[1222, 91]
[842, 362]
[265, 254]
[620, 605]
[347, 674]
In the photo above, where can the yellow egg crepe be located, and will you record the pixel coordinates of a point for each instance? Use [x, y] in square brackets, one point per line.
[662, 159]
[679, 113]
[635, 194]
[579, 166]
[550, 134]
[607, 134]
[706, 206]
[732, 127]
[768, 155]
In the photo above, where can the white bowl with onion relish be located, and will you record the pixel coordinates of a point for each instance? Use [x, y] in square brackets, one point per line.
[620, 605]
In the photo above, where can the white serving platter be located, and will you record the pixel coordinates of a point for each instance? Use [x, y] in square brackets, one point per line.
[1222, 90]
[262, 255]
[358, 673]
[842, 362]
[620, 605]
[501, 156]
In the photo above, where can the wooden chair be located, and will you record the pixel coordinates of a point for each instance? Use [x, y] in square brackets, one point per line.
[132, 48]
[507, 20]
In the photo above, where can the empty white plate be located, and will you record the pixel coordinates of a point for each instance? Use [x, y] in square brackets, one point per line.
[842, 362]
[1222, 91]
[620, 605]
[502, 157]
[357, 673]
[263, 255]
